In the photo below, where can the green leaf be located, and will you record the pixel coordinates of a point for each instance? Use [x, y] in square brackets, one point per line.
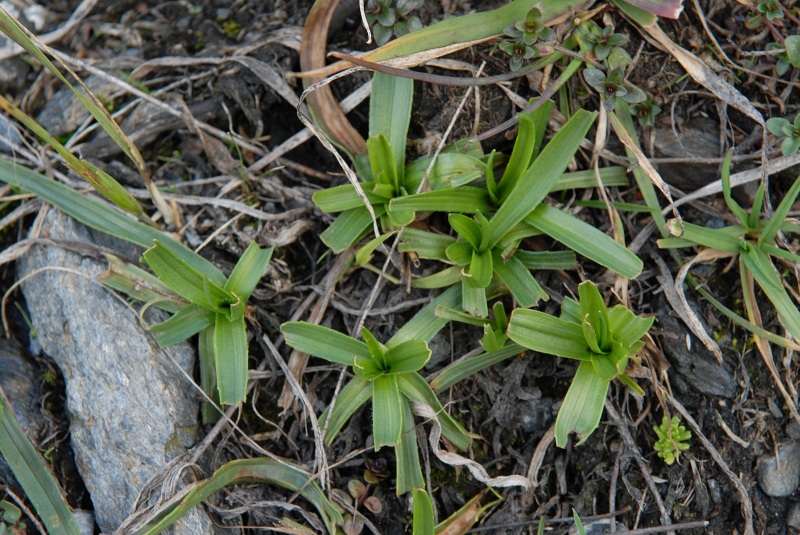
[755, 210]
[390, 115]
[546, 259]
[451, 170]
[467, 228]
[520, 156]
[473, 300]
[610, 176]
[541, 175]
[460, 370]
[582, 407]
[409, 470]
[733, 206]
[571, 311]
[343, 197]
[182, 325]
[376, 349]
[260, 470]
[409, 356]
[208, 373]
[778, 126]
[793, 50]
[423, 523]
[248, 271]
[357, 392]
[603, 367]
[519, 281]
[348, 227]
[442, 279]
[424, 325]
[451, 314]
[480, 270]
[230, 351]
[98, 215]
[594, 309]
[364, 254]
[466, 200]
[425, 244]
[460, 252]
[33, 475]
[772, 227]
[415, 388]
[140, 285]
[768, 279]
[323, 342]
[186, 281]
[387, 411]
[626, 328]
[547, 334]
[586, 240]
[367, 368]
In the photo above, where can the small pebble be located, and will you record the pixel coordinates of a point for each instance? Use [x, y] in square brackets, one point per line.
[780, 481]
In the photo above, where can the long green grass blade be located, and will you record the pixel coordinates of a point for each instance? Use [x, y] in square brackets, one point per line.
[409, 470]
[425, 244]
[542, 174]
[586, 240]
[230, 351]
[547, 334]
[390, 113]
[610, 176]
[424, 325]
[415, 388]
[458, 371]
[341, 198]
[423, 523]
[772, 227]
[547, 259]
[519, 281]
[521, 155]
[98, 215]
[182, 325]
[768, 279]
[465, 200]
[323, 342]
[442, 279]
[357, 392]
[387, 411]
[33, 475]
[140, 285]
[583, 405]
[248, 271]
[261, 470]
[348, 227]
[208, 373]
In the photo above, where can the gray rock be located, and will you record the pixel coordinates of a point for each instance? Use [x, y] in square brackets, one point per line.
[779, 475]
[64, 112]
[130, 408]
[697, 366]
[793, 517]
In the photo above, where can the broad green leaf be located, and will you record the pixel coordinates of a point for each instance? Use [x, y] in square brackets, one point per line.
[460, 252]
[627, 328]
[521, 155]
[208, 373]
[793, 50]
[590, 336]
[343, 197]
[725, 239]
[98, 215]
[387, 411]
[323, 342]
[140, 285]
[28, 467]
[541, 175]
[547, 259]
[571, 311]
[442, 279]
[390, 115]
[586, 240]
[182, 325]
[230, 350]
[355, 393]
[376, 349]
[260, 470]
[770, 230]
[582, 407]
[594, 309]
[367, 368]
[451, 170]
[467, 228]
[348, 227]
[248, 271]
[424, 325]
[460, 370]
[519, 281]
[409, 356]
[425, 244]
[415, 388]
[541, 117]
[186, 281]
[382, 161]
[480, 270]
[452, 314]
[610, 176]
[547, 334]
[473, 300]
[466, 200]
[409, 470]
[640, 16]
[603, 367]
[423, 523]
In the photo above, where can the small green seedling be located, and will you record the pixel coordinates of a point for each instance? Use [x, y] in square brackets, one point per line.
[387, 19]
[11, 519]
[602, 340]
[646, 112]
[790, 132]
[605, 41]
[673, 439]
[526, 34]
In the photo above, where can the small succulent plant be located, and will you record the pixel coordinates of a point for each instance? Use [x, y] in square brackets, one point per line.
[673, 439]
[387, 17]
[646, 112]
[613, 86]
[605, 42]
[526, 34]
